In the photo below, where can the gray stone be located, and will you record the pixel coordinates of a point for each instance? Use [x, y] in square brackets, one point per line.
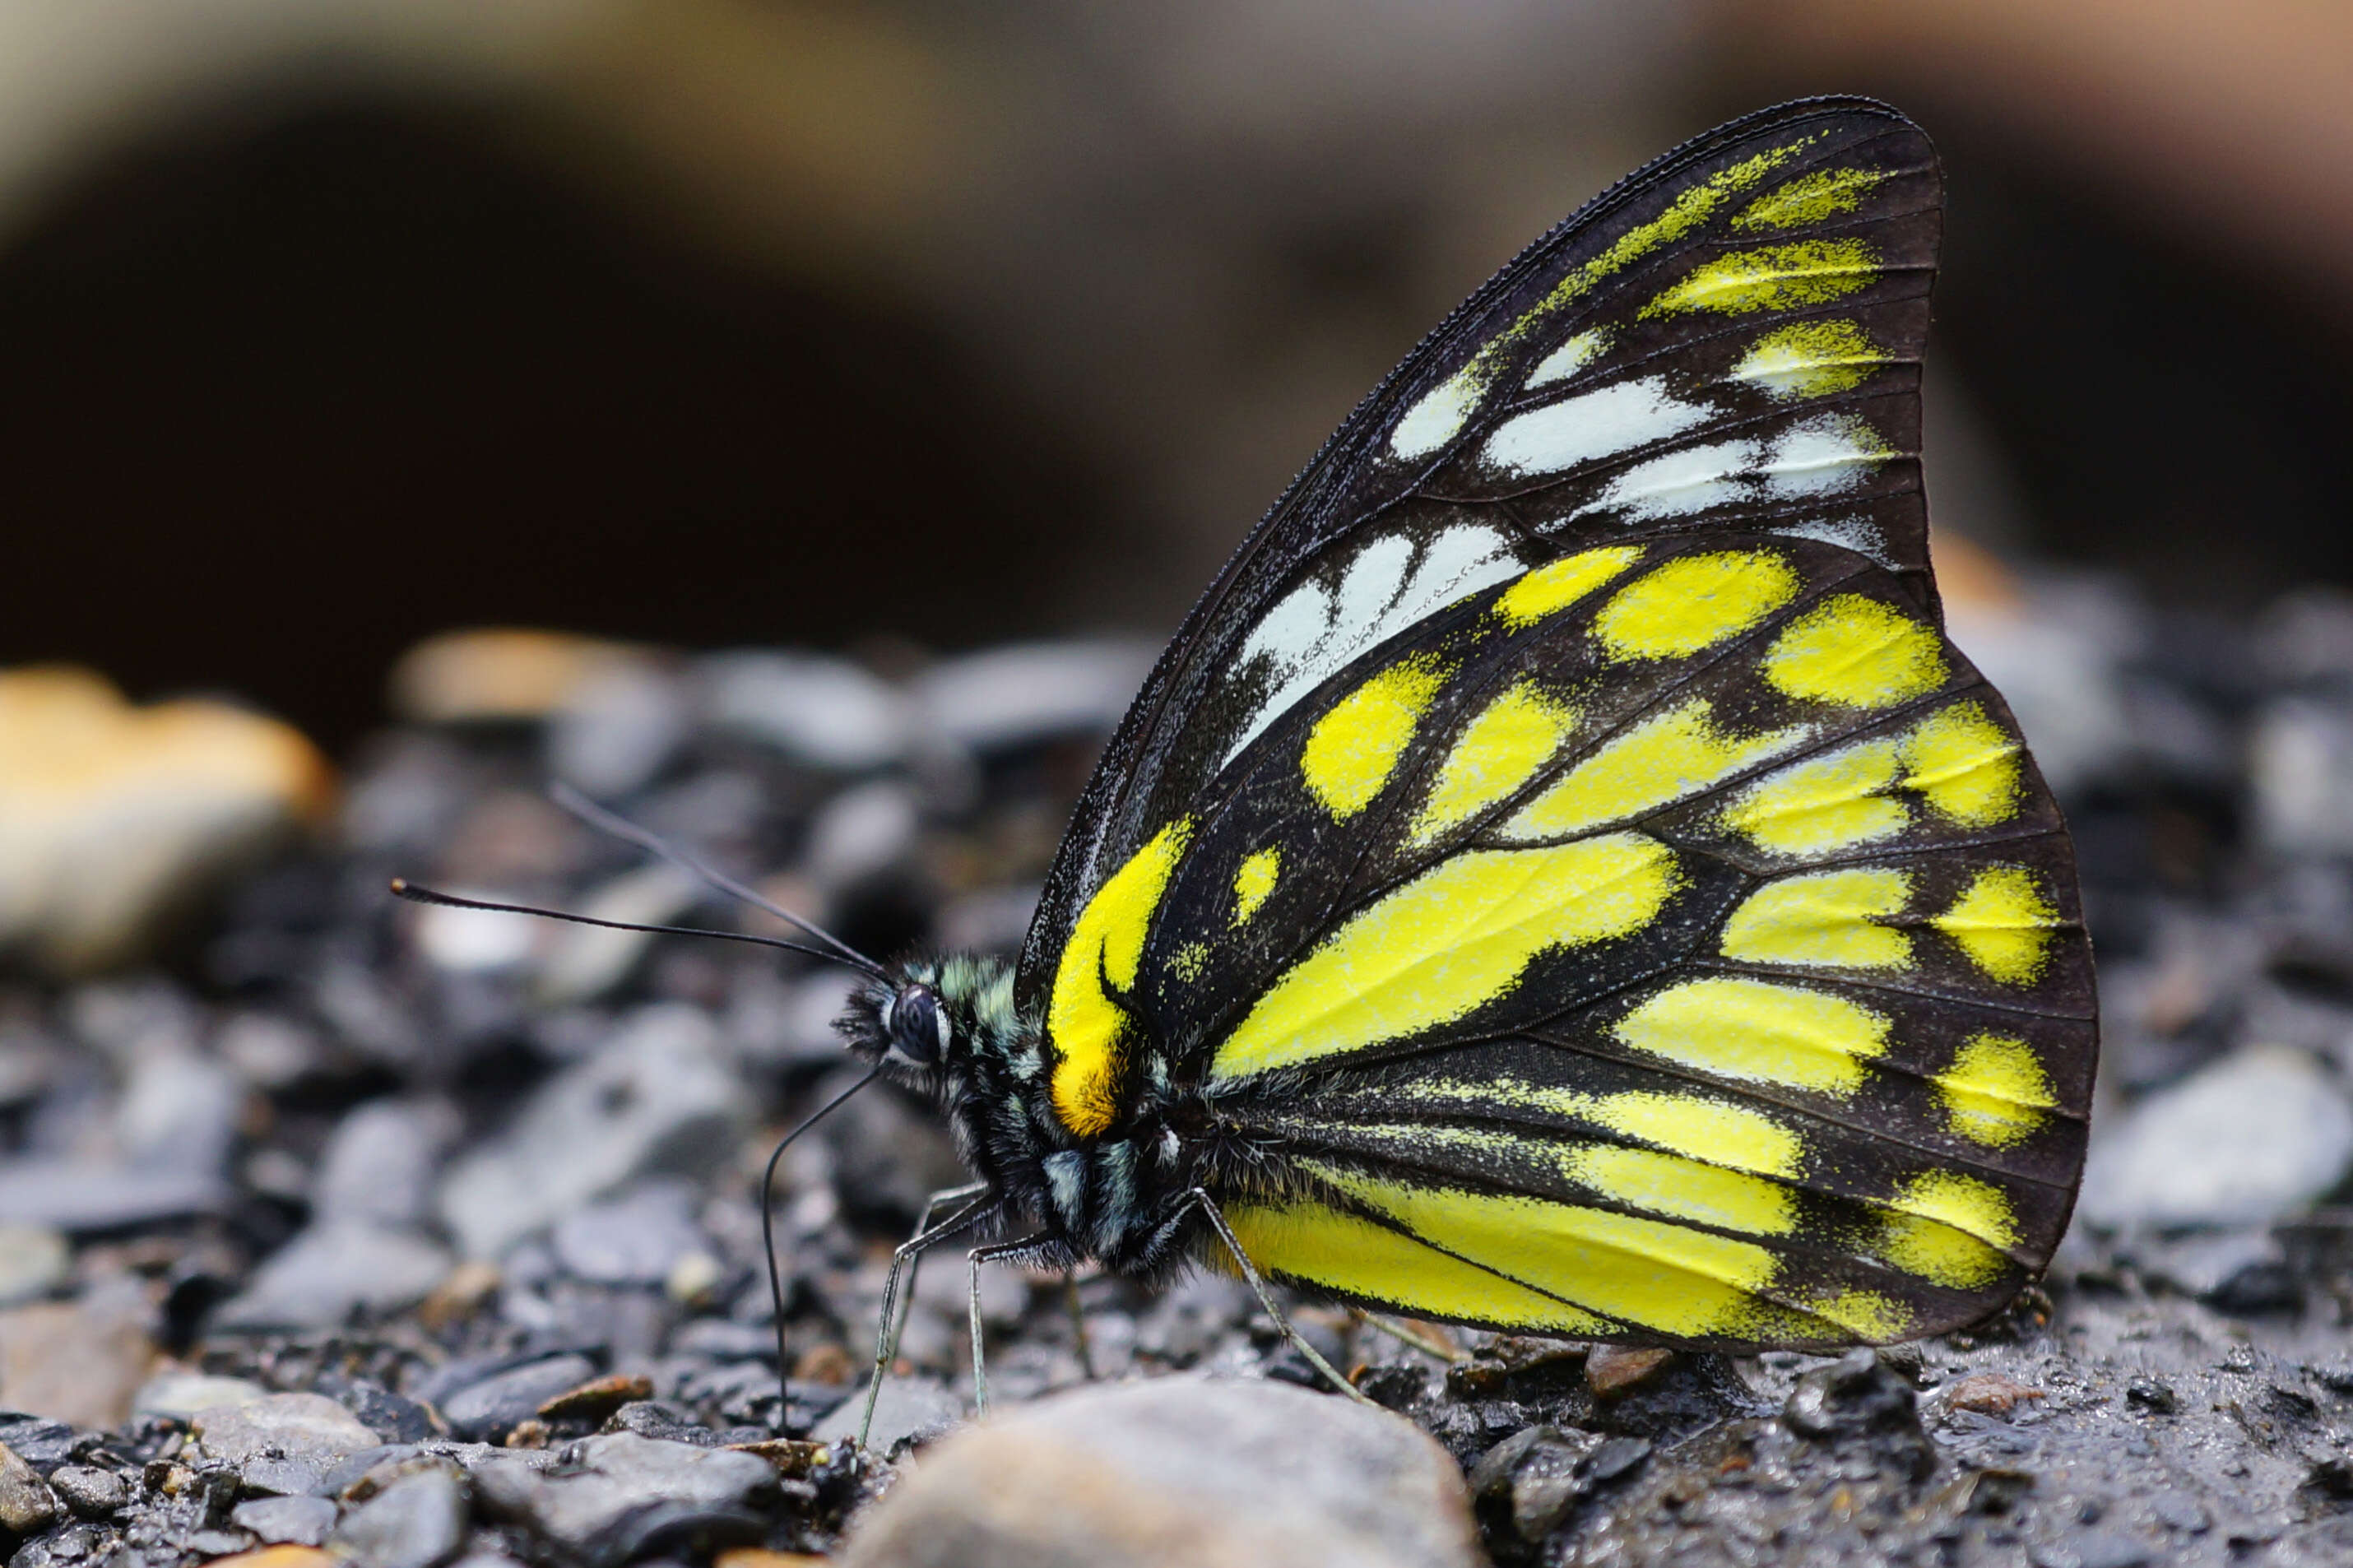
[908, 1408]
[1032, 691]
[634, 1239]
[286, 1521]
[417, 1521]
[1177, 1470]
[33, 1262]
[28, 1507]
[90, 1492]
[81, 1196]
[2300, 775]
[380, 1161]
[822, 710]
[582, 963]
[179, 1112]
[2254, 1137]
[488, 1410]
[301, 1427]
[620, 1488]
[861, 831]
[617, 728]
[656, 1099]
[330, 1272]
[183, 1393]
[39, 1441]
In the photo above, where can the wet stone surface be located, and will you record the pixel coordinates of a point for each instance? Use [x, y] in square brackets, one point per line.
[418, 1236]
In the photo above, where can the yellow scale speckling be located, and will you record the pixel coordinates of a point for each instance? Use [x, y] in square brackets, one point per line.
[1648, 1272]
[1825, 803]
[1948, 1228]
[1555, 586]
[1965, 765]
[1773, 277]
[1809, 198]
[1811, 359]
[1723, 1133]
[1694, 602]
[1661, 760]
[1759, 1032]
[1824, 919]
[1856, 652]
[1996, 1092]
[1356, 1257]
[1085, 1022]
[1353, 750]
[1513, 737]
[1866, 1314]
[1254, 880]
[1451, 940]
[2003, 922]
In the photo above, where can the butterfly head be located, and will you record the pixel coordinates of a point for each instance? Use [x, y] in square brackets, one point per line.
[924, 1022]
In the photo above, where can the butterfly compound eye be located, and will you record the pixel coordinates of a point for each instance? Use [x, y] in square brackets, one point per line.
[919, 1029]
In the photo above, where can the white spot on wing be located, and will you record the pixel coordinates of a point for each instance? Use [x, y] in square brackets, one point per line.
[1386, 587]
[1675, 483]
[1855, 534]
[1432, 423]
[1573, 355]
[1597, 424]
[1833, 453]
[1816, 458]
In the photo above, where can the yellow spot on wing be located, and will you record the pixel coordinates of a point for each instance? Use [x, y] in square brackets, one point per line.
[1866, 1314]
[1254, 879]
[1353, 749]
[1513, 737]
[1996, 1091]
[1643, 1271]
[1824, 919]
[1949, 1228]
[1809, 198]
[1775, 278]
[1560, 584]
[1661, 760]
[1759, 1032]
[1723, 1133]
[2003, 921]
[1356, 1257]
[1446, 943]
[1811, 359]
[1856, 652]
[1965, 765]
[1085, 1020]
[1694, 602]
[1681, 1188]
[1824, 803]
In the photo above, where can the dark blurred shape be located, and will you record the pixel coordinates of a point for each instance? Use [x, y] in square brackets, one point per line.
[284, 398]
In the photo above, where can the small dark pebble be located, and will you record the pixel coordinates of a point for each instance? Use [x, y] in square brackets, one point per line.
[92, 1493]
[487, 1411]
[38, 1441]
[2148, 1393]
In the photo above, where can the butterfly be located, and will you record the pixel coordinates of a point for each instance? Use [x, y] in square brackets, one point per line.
[1561, 878]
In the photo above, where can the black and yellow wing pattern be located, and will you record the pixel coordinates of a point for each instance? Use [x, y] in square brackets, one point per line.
[1563, 851]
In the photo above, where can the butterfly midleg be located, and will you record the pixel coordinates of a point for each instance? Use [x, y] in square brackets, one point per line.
[1200, 1199]
[1078, 1323]
[975, 1199]
[1003, 1252]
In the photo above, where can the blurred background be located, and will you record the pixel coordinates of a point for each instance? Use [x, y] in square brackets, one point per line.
[836, 404]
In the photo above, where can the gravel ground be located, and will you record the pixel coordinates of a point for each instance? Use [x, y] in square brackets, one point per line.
[420, 1234]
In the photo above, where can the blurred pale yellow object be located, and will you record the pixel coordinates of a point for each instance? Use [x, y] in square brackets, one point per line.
[112, 818]
[502, 674]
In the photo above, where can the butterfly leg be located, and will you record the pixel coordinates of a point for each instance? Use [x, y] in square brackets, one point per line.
[1078, 1323]
[1216, 1217]
[975, 1199]
[1003, 1252]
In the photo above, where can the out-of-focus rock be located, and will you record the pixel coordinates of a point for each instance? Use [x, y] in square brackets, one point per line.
[2253, 1138]
[622, 1494]
[2300, 775]
[583, 963]
[308, 1427]
[181, 1395]
[501, 676]
[907, 1409]
[656, 1099]
[78, 1361]
[2054, 650]
[334, 1269]
[33, 1262]
[1032, 691]
[634, 1240]
[820, 710]
[417, 1521]
[1178, 1470]
[487, 1410]
[615, 730]
[380, 1162]
[112, 818]
[862, 831]
[286, 1521]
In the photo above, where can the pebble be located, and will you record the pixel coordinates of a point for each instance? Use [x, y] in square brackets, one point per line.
[300, 1426]
[617, 728]
[279, 1557]
[1988, 1394]
[40, 1442]
[1012, 696]
[380, 1161]
[488, 1410]
[862, 832]
[655, 1099]
[119, 817]
[27, 1506]
[183, 1393]
[329, 1272]
[33, 1259]
[90, 1492]
[582, 963]
[79, 1195]
[2254, 1137]
[417, 1521]
[2300, 775]
[825, 712]
[286, 1521]
[909, 1409]
[490, 677]
[624, 1493]
[598, 1398]
[634, 1239]
[1612, 1370]
[1178, 1470]
[80, 1361]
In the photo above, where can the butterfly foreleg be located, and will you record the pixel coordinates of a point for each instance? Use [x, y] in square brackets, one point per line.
[1028, 1247]
[976, 1197]
[1200, 1199]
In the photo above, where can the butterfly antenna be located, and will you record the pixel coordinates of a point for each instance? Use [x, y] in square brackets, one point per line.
[768, 1231]
[402, 887]
[604, 821]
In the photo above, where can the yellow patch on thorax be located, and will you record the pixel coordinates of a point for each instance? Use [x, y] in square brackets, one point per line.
[1512, 738]
[2003, 922]
[1449, 941]
[1948, 1228]
[1996, 1092]
[1692, 602]
[1353, 748]
[1254, 880]
[1758, 1032]
[1656, 763]
[1965, 765]
[1809, 198]
[1824, 919]
[1811, 359]
[1825, 803]
[1856, 652]
[1555, 586]
[1773, 277]
[1085, 1022]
